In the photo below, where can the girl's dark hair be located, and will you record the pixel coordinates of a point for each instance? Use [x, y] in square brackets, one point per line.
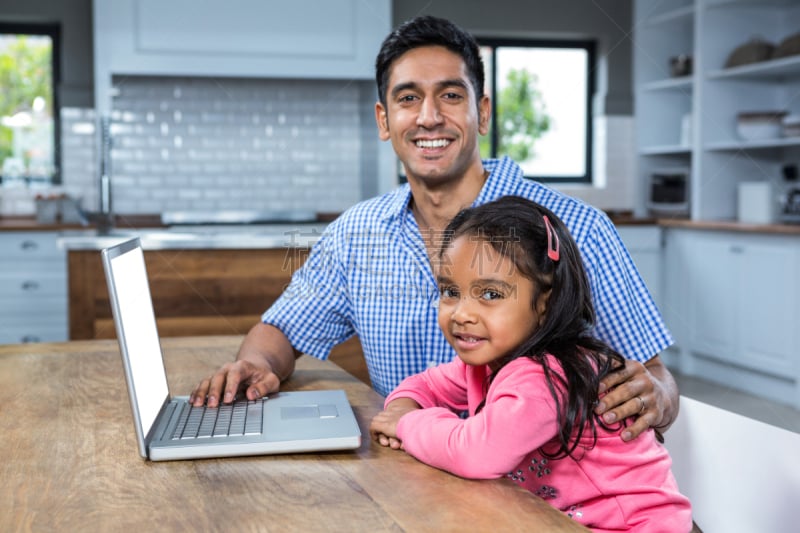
[429, 31]
[516, 229]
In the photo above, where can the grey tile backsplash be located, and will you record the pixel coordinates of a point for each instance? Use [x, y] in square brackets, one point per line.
[78, 155]
[222, 144]
[228, 144]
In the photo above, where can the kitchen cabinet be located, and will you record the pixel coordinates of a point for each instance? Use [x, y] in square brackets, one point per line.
[675, 275]
[240, 38]
[690, 121]
[196, 292]
[662, 104]
[644, 245]
[33, 288]
[733, 304]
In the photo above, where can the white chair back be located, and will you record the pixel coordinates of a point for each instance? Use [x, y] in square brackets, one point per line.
[740, 474]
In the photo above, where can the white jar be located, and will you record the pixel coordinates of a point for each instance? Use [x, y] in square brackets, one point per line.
[757, 202]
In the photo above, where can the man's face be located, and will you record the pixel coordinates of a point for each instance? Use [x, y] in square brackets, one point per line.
[432, 116]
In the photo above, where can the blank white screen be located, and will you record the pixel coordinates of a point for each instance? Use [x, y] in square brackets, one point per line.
[140, 335]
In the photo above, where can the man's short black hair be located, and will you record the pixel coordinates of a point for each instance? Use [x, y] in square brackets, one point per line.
[427, 30]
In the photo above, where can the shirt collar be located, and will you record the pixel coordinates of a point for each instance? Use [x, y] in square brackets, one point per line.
[399, 203]
[504, 176]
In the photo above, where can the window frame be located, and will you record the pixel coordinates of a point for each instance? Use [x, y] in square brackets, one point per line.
[54, 32]
[590, 46]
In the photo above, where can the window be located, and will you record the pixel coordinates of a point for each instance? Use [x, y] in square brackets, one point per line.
[541, 95]
[28, 110]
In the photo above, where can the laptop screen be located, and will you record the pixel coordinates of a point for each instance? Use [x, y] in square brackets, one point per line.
[136, 329]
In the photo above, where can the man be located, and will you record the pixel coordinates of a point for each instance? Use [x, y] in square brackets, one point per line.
[370, 274]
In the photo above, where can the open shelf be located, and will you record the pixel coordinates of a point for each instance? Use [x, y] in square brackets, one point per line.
[666, 149]
[766, 144]
[785, 67]
[670, 84]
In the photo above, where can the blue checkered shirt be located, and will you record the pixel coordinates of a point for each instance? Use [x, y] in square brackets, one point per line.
[369, 275]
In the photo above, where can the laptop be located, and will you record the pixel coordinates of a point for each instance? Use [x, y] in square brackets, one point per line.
[169, 428]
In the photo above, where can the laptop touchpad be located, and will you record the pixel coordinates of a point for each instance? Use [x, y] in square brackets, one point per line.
[309, 411]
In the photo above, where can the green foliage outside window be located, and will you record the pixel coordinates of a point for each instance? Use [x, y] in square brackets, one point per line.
[521, 117]
[25, 74]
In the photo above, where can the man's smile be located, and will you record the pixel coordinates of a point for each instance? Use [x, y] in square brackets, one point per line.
[432, 143]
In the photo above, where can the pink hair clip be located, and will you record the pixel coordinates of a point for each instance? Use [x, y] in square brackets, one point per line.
[552, 240]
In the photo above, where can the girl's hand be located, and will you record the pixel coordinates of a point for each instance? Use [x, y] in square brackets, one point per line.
[384, 426]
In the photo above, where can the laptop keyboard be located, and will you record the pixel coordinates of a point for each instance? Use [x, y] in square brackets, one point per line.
[242, 417]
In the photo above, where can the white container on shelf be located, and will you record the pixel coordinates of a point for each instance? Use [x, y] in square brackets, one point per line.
[791, 126]
[757, 202]
[759, 126]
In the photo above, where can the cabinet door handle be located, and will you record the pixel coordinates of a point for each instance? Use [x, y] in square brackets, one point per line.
[30, 338]
[30, 285]
[29, 246]
[737, 249]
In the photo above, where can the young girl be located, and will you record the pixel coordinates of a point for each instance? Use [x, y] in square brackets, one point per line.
[518, 400]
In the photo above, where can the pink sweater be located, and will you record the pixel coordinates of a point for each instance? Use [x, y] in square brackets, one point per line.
[615, 486]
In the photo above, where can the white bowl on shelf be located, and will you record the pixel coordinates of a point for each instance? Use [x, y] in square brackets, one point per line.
[760, 125]
[791, 126]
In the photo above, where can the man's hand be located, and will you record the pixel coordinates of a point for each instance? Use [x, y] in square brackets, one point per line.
[265, 359]
[256, 381]
[384, 426]
[646, 391]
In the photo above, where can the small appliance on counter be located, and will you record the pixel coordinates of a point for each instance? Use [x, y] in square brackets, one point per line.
[668, 193]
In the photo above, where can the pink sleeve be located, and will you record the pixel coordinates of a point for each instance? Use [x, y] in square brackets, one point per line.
[519, 417]
[441, 386]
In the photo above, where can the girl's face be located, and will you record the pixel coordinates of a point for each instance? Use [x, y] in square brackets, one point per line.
[485, 306]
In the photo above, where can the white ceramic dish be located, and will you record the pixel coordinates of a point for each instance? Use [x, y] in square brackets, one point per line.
[760, 126]
[758, 131]
[791, 126]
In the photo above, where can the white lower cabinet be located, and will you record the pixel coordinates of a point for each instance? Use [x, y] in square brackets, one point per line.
[733, 304]
[33, 288]
[644, 245]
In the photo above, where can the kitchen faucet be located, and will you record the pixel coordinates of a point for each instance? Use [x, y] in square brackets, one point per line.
[105, 214]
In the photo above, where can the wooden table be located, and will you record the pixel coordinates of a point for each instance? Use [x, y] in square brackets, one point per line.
[71, 461]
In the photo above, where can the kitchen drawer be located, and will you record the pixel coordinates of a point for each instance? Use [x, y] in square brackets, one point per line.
[33, 284]
[29, 245]
[18, 331]
[34, 307]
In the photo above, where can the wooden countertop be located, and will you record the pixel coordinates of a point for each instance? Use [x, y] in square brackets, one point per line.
[71, 461]
[619, 219]
[30, 224]
[732, 225]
